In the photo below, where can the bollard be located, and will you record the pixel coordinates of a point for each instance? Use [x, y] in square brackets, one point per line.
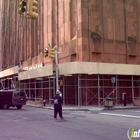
[125, 99]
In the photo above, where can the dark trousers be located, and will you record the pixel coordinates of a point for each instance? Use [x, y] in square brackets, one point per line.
[44, 103]
[59, 111]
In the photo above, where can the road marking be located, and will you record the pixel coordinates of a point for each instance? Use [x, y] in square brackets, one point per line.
[129, 111]
[120, 115]
[12, 138]
[135, 111]
[38, 135]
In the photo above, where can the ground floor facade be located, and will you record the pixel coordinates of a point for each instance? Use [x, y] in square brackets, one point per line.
[81, 83]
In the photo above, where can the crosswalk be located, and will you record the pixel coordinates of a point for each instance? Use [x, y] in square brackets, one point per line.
[117, 113]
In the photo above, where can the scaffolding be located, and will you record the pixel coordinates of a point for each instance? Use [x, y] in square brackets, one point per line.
[78, 89]
[102, 87]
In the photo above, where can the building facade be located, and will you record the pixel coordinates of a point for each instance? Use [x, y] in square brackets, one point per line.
[98, 41]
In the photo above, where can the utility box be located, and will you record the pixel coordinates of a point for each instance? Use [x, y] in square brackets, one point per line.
[123, 96]
[108, 103]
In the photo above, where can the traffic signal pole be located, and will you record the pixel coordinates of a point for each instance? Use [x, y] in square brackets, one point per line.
[56, 70]
[53, 54]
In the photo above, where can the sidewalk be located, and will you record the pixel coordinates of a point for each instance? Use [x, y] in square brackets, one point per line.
[121, 107]
[87, 108]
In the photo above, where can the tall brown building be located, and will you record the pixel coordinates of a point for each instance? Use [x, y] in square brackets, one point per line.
[98, 41]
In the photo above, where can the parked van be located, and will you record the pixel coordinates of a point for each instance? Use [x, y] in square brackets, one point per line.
[12, 98]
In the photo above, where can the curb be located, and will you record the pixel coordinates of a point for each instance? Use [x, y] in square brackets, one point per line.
[82, 109]
[51, 108]
[76, 109]
[122, 108]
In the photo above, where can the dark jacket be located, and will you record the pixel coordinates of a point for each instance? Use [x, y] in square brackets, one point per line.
[57, 101]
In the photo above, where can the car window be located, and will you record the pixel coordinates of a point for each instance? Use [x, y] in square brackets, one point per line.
[22, 93]
[19, 94]
[16, 94]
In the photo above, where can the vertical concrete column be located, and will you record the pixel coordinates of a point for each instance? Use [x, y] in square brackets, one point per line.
[82, 31]
[1, 35]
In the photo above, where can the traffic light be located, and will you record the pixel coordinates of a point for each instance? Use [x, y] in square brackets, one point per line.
[46, 52]
[22, 7]
[52, 53]
[32, 9]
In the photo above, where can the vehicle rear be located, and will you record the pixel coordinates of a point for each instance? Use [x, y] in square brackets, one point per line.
[19, 99]
[6, 99]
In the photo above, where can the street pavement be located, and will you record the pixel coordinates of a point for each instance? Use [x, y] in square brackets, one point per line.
[37, 123]
[118, 110]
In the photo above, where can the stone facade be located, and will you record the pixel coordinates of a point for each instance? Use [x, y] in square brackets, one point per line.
[71, 26]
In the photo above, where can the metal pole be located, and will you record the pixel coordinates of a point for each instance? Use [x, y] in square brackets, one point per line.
[41, 89]
[132, 88]
[35, 90]
[79, 86]
[49, 93]
[116, 90]
[63, 91]
[99, 90]
[56, 69]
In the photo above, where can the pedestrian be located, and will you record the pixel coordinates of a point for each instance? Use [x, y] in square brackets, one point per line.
[58, 105]
[44, 102]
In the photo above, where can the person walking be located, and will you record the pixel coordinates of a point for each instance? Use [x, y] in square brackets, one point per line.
[58, 105]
